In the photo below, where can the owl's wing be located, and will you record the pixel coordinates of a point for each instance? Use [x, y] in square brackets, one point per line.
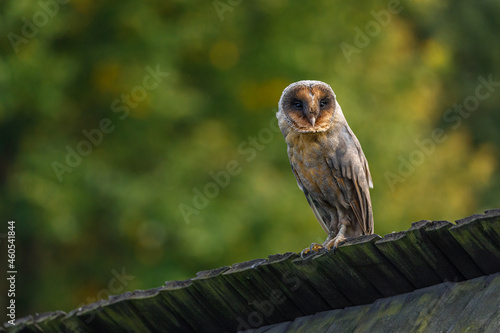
[350, 170]
[315, 208]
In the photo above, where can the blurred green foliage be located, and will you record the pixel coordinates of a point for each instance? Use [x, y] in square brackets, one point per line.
[64, 67]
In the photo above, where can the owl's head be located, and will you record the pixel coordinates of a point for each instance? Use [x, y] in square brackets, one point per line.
[308, 106]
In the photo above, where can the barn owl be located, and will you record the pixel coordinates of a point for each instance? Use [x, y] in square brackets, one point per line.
[327, 161]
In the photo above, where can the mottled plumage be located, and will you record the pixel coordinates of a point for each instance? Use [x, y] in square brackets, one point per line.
[327, 160]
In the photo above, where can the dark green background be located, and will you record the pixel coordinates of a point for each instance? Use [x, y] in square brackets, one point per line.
[397, 80]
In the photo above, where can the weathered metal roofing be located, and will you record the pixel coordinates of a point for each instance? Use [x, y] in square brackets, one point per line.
[394, 274]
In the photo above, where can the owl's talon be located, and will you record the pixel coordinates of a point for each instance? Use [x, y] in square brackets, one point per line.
[334, 247]
[315, 247]
[334, 244]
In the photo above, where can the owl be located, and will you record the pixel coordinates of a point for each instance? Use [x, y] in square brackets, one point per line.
[327, 161]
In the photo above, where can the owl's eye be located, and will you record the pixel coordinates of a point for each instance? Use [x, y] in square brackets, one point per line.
[323, 103]
[297, 104]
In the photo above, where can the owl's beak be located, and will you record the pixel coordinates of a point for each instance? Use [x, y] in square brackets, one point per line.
[312, 119]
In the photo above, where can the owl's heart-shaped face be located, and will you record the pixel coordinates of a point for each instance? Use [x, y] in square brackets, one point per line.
[308, 106]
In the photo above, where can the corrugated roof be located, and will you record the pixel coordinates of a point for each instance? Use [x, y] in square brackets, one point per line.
[285, 288]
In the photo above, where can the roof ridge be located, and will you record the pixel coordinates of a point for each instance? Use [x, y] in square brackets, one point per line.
[282, 287]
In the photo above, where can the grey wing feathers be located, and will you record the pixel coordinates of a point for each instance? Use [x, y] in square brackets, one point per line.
[361, 156]
[354, 180]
